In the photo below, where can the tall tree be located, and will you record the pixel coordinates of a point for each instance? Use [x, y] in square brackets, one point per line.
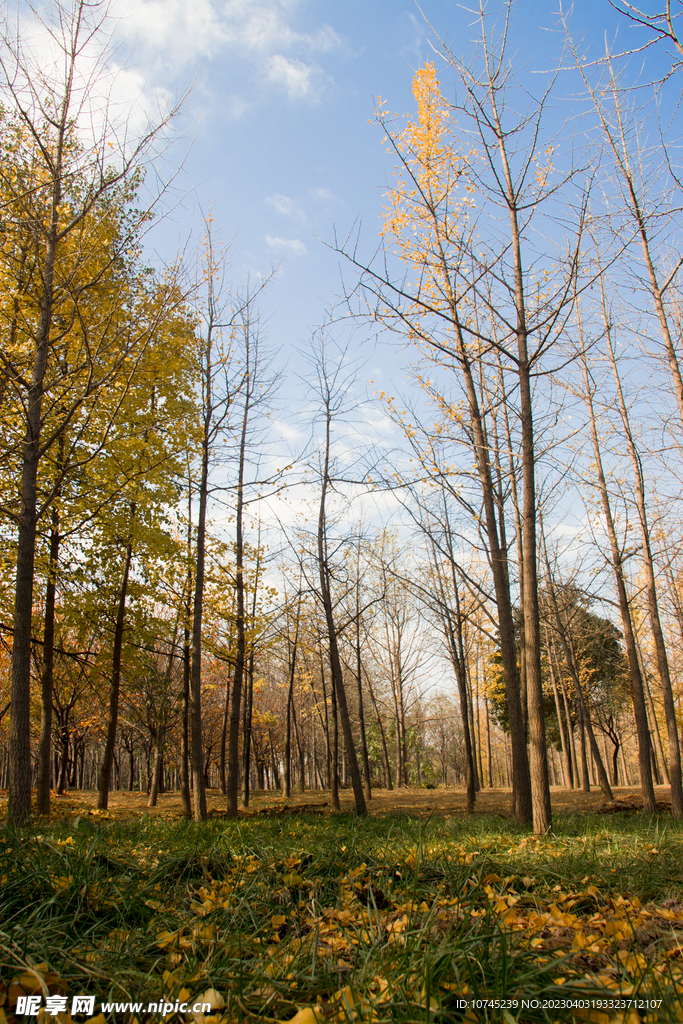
[219, 385]
[330, 388]
[65, 192]
[618, 558]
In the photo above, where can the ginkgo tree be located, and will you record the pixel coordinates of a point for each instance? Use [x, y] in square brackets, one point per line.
[463, 277]
[59, 190]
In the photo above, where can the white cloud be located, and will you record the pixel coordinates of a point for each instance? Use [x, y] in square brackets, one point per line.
[294, 245]
[286, 431]
[283, 204]
[175, 33]
[178, 31]
[164, 37]
[110, 103]
[324, 195]
[302, 81]
[235, 106]
[264, 25]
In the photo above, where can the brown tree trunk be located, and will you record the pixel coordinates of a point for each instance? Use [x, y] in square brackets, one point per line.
[566, 755]
[675, 773]
[115, 684]
[521, 779]
[45, 741]
[451, 621]
[246, 730]
[196, 747]
[290, 697]
[185, 721]
[156, 768]
[246, 738]
[19, 746]
[584, 715]
[334, 752]
[383, 738]
[637, 688]
[240, 658]
[335, 661]
[361, 713]
[222, 753]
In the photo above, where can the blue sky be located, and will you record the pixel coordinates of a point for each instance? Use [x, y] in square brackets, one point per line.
[279, 136]
[283, 94]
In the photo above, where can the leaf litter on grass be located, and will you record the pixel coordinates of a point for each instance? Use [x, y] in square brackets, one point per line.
[338, 919]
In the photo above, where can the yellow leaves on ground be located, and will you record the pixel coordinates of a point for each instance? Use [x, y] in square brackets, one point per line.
[306, 1015]
[296, 916]
[292, 880]
[350, 1005]
[605, 937]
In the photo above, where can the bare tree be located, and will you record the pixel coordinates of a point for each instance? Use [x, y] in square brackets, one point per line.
[661, 26]
[465, 217]
[330, 388]
[618, 558]
[220, 382]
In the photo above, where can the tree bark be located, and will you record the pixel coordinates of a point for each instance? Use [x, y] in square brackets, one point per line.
[637, 689]
[361, 713]
[246, 731]
[19, 809]
[185, 795]
[240, 658]
[196, 747]
[566, 755]
[156, 768]
[383, 738]
[584, 715]
[115, 685]
[326, 600]
[675, 772]
[45, 741]
[290, 697]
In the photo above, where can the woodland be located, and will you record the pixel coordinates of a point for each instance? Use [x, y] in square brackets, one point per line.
[198, 620]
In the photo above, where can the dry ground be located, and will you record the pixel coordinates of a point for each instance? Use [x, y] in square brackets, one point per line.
[442, 802]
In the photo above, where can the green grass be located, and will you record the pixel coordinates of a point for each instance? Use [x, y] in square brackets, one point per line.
[389, 919]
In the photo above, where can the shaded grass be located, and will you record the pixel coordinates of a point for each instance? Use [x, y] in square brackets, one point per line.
[393, 917]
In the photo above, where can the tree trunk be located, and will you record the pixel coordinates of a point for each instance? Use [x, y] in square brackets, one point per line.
[185, 721]
[246, 730]
[290, 698]
[637, 688]
[361, 713]
[585, 777]
[335, 662]
[240, 659]
[222, 753]
[45, 741]
[334, 755]
[246, 738]
[196, 751]
[383, 738]
[566, 756]
[157, 768]
[584, 715]
[451, 621]
[108, 756]
[19, 747]
[675, 772]
[538, 760]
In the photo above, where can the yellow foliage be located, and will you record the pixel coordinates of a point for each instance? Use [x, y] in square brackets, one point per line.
[427, 208]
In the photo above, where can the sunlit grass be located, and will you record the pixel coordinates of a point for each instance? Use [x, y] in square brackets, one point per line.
[387, 919]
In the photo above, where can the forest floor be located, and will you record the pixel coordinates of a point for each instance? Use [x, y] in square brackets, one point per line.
[418, 913]
[421, 803]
